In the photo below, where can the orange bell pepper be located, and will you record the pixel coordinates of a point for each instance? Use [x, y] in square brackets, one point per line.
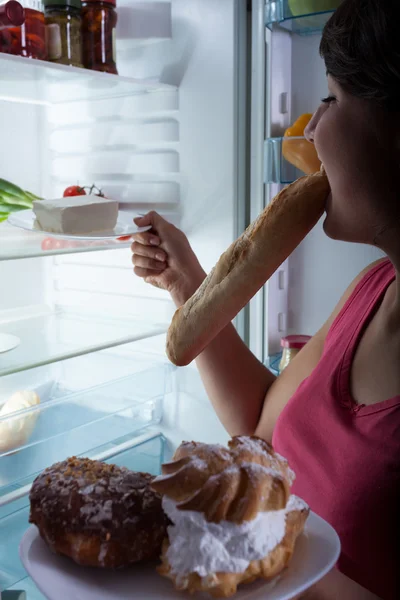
[300, 152]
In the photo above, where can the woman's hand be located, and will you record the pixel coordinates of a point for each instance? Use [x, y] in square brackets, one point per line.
[164, 258]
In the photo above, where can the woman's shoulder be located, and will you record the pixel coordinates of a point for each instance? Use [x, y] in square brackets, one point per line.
[375, 275]
[382, 266]
[371, 281]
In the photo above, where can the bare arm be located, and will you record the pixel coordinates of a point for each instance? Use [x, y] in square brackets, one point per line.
[246, 396]
[234, 379]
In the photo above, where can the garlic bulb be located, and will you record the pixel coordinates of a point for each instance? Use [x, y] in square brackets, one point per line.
[16, 430]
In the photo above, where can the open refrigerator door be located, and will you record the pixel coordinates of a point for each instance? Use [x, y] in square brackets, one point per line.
[305, 289]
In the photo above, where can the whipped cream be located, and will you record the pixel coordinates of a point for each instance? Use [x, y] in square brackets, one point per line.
[198, 546]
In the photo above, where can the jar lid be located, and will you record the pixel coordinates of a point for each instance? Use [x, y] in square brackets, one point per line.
[295, 341]
[15, 13]
[63, 3]
[112, 2]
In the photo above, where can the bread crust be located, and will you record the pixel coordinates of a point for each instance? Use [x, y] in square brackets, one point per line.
[245, 266]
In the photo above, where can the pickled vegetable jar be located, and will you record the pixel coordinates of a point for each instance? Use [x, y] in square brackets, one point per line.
[99, 20]
[12, 14]
[63, 31]
[27, 39]
[292, 344]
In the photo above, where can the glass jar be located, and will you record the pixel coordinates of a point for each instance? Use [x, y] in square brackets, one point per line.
[12, 14]
[63, 31]
[292, 344]
[99, 20]
[28, 39]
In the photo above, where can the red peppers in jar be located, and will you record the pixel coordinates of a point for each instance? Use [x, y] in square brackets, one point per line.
[99, 21]
[27, 39]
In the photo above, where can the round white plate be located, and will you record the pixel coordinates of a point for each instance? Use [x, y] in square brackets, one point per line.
[317, 551]
[25, 219]
[8, 342]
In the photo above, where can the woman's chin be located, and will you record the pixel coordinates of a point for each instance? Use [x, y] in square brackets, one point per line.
[329, 229]
[328, 202]
[325, 225]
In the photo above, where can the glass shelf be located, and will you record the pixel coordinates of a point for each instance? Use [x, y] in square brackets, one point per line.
[50, 336]
[304, 17]
[276, 168]
[80, 423]
[39, 82]
[147, 455]
[17, 244]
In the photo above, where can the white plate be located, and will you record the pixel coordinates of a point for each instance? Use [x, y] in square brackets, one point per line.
[8, 342]
[316, 552]
[25, 219]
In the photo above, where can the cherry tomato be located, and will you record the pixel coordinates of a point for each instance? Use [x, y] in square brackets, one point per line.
[51, 243]
[74, 190]
[47, 243]
[123, 238]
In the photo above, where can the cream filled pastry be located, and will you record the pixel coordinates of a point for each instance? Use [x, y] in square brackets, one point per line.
[233, 518]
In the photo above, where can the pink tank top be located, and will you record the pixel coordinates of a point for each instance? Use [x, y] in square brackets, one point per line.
[346, 455]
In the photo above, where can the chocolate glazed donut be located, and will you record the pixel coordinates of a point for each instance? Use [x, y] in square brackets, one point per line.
[99, 515]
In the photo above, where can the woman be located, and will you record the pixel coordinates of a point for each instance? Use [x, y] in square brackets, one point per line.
[335, 411]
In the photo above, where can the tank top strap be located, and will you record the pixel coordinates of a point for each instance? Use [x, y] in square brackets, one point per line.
[361, 302]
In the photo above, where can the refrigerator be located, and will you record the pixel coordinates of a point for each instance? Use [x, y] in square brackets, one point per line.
[191, 127]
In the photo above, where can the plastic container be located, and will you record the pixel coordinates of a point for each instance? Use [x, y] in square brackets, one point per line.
[63, 31]
[292, 344]
[99, 21]
[28, 39]
[303, 17]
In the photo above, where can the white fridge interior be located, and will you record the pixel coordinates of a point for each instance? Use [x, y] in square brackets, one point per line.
[303, 292]
[202, 84]
[162, 135]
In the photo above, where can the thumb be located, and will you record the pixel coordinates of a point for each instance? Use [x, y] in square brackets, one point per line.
[152, 218]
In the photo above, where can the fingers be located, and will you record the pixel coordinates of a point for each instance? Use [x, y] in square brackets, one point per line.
[143, 273]
[148, 263]
[149, 239]
[149, 251]
[157, 222]
[149, 258]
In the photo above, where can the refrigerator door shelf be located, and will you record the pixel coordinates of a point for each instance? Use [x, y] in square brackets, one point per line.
[77, 424]
[145, 453]
[304, 17]
[277, 168]
[50, 336]
[44, 83]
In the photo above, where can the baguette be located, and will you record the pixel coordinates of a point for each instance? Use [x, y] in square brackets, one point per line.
[246, 265]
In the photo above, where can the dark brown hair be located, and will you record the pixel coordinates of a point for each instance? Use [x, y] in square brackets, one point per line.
[361, 48]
